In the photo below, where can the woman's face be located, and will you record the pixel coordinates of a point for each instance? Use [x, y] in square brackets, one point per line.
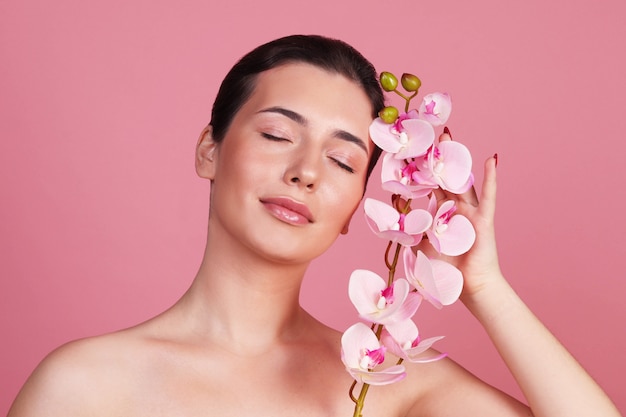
[291, 169]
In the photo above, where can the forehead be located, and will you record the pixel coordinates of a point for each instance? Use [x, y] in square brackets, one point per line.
[324, 98]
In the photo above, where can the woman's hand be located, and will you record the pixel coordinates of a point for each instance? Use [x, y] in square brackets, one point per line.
[479, 265]
[551, 379]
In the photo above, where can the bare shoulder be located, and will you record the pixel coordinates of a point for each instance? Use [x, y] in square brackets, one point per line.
[446, 388]
[156, 369]
[438, 388]
[78, 376]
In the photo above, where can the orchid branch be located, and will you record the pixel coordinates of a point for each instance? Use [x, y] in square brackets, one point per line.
[413, 167]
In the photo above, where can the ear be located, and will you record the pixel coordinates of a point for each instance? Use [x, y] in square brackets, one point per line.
[344, 231]
[206, 151]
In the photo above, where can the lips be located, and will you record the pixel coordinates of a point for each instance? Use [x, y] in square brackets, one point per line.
[288, 210]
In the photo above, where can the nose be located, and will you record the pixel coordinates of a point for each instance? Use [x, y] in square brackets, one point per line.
[303, 170]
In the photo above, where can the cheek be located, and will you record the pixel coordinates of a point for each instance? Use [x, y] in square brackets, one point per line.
[240, 162]
[344, 201]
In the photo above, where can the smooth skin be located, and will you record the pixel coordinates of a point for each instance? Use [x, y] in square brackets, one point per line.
[238, 343]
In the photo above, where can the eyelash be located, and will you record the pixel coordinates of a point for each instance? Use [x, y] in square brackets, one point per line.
[340, 164]
[274, 138]
[343, 166]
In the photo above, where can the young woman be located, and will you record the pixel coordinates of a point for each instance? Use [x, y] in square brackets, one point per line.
[288, 154]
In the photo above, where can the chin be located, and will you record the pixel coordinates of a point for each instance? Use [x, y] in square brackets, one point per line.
[294, 255]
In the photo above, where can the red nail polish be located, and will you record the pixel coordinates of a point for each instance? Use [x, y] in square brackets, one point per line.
[447, 131]
[495, 156]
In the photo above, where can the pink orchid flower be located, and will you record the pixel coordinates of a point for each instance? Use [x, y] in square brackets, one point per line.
[378, 303]
[361, 352]
[437, 281]
[406, 138]
[387, 223]
[449, 234]
[411, 114]
[397, 178]
[449, 166]
[402, 339]
[435, 108]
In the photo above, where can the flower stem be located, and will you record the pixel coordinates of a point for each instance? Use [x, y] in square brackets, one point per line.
[407, 99]
[351, 392]
[394, 263]
[378, 329]
[387, 255]
[401, 95]
[358, 408]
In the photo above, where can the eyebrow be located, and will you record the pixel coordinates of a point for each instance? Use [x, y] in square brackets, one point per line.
[302, 121]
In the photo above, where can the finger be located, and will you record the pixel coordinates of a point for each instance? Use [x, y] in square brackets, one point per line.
[440, 195]
[488, 195]
[470, 196]
[446, 135]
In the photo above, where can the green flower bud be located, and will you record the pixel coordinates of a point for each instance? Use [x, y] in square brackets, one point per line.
[388, 81]
[410, 82]
[389, 114]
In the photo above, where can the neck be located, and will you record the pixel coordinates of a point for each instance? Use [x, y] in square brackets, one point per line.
[244, 302]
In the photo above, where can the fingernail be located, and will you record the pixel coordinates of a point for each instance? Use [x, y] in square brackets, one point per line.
[447, 131]
[495, 156]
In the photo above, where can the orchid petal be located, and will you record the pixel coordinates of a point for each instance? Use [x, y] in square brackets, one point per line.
[449, 281]
[423, 346]
[400, 237]
[444, 208]
[420, 136]
[402, 338]
[454, 165]
[450, 234]
[417, 221]
[390, 167]
[432, 205]
[397, 180]
[383, 136]
[387, 223]
[353, 341]
[439, 282]
[458, 238]
[396, 187]
[465, 187]
[407, 309]
[421, 276]
[405, 139]
[436, 108]
[392, 345]
[356, 341]
[423, 353]
[385, 377]
[366, 290]
[408, 192]
[383, 215]
[404, 333]
[396, 310]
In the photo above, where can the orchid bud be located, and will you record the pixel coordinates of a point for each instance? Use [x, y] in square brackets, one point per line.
[410, 82]
[388, 81]
[389, 114]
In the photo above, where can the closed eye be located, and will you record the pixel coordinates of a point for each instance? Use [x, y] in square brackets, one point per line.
[343, 165]
[274, 138]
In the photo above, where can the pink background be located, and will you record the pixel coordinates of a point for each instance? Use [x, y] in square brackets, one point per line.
[103, 219]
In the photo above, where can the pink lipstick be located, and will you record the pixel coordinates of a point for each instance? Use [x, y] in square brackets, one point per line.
[288, 210]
